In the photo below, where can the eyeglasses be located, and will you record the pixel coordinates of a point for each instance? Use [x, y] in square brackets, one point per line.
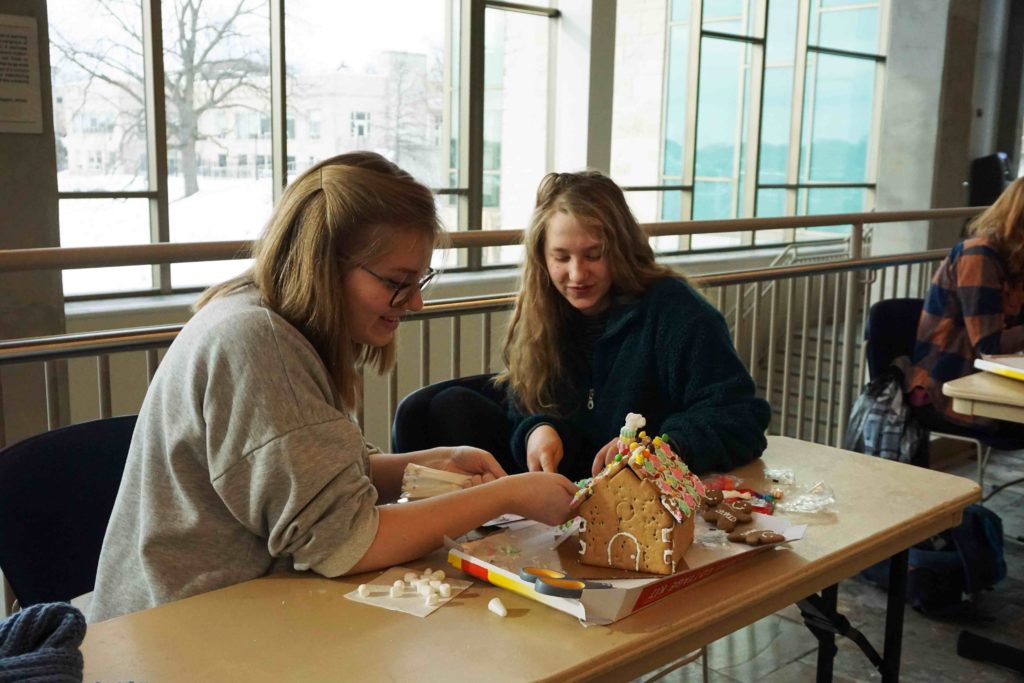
[403, 291]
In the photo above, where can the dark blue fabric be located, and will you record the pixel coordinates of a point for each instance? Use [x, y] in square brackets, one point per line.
[987, 301]
[41, 643]
[965, 559]
[668, 356]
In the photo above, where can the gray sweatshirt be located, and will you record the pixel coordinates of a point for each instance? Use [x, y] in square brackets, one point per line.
[242, 463]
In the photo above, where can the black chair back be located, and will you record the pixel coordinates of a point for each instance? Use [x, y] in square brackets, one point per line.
[56, 493]
[411, 429]
[890, 332]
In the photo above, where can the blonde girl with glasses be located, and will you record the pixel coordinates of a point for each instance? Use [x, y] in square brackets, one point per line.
[246, 458]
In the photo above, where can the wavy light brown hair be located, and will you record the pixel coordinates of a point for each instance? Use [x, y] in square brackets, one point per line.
[538, 329]
[339, 214]
[1003, 223]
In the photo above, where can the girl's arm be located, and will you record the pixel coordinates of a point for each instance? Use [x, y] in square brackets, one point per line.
[411, 530]
[980, 278]
[721, 421]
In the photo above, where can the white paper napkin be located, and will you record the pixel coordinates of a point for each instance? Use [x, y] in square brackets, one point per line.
[410, 602]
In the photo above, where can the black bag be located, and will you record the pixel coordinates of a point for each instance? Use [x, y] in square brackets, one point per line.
[965, 559]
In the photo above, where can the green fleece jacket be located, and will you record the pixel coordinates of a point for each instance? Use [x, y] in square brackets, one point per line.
[668, 356]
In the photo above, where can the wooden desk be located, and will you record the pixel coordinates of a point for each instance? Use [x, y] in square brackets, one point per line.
[987, 395]
[300, 628]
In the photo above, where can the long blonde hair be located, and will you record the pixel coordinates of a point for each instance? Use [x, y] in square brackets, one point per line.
[538, 329]
[339, 214]
[1003, 223]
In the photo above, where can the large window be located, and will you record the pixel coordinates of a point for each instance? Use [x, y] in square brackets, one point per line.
[719, 110]
[515, 121]
[762, 113]
[389, 77]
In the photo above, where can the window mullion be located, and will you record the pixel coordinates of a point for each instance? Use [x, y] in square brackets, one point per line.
[156, 135]
[878, 96]
[796, 120]
[755, 93]
[693, 83]
[471, 121]
[278, 101]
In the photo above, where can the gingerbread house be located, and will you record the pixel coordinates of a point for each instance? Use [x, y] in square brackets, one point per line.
[639, 512]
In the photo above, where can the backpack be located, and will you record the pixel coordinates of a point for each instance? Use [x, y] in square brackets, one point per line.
[881, 422]
[965, 559]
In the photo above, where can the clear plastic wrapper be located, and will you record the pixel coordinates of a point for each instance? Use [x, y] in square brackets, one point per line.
[818, 497]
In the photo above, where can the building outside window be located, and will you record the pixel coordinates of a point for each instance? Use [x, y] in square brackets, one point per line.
[718, 112]
[360, 124]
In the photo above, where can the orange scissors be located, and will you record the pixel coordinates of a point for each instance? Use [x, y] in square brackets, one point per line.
[557, 583]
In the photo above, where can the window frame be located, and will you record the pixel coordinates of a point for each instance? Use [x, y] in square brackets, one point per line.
[462, 124]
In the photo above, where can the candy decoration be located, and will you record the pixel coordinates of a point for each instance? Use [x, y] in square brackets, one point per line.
[498, 607]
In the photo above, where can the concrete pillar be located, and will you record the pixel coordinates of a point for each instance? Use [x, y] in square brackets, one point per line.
[31, 303]
[926, 118]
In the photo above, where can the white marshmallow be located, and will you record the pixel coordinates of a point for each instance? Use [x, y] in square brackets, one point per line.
[434, 583]
[498, 607]
[431, 600]
[427, 572]
[445, 590]
[363, 590]
[425, 589]
[439, 575]
[410, 577]
[396, 592]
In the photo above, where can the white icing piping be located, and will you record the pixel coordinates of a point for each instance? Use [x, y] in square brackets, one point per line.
[633, 538]
[583, 524]
[583, 546]
[666, 535]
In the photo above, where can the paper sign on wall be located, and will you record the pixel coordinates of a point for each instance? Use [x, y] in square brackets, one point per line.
[21, 107]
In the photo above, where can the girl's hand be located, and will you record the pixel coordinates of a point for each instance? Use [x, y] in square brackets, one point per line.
[542, 496]
[475, 462]
[606, 454]
[544, 449]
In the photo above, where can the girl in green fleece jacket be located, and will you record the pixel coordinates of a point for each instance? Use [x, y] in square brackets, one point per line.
[600, 330]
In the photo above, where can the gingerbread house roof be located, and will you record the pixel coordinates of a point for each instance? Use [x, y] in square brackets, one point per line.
[678, 489]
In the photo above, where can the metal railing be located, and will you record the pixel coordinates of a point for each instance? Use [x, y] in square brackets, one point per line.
[799, 344]
[797, 327]
[65, 258]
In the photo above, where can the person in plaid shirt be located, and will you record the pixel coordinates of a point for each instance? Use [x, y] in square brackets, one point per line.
[975, 306]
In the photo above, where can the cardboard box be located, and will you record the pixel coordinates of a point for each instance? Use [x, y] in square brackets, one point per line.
[498, 557]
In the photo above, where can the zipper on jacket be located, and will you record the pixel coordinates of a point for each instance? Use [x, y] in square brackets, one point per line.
[590, 399]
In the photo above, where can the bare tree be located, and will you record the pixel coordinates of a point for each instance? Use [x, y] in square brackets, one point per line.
[209, 64]
[405, 107]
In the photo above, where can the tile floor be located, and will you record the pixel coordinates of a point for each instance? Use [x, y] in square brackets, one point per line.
[780, 649]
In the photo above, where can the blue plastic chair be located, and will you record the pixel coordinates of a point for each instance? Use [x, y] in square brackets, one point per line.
[56, 493]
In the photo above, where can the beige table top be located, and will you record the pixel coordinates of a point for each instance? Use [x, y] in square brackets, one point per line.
[300, 628]
[987, 395]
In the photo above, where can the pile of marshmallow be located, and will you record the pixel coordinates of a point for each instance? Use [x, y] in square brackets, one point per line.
[429, 584]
